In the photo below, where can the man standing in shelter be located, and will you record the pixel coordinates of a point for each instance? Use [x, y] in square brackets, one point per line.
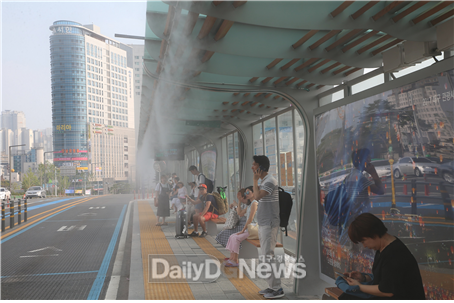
[199, 179]
[268, 220]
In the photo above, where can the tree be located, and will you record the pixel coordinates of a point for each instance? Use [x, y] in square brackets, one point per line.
[29, 179]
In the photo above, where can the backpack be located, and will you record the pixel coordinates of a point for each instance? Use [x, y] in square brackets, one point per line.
[208, 183]
[337, 205]
[221, 204]
[285, 208]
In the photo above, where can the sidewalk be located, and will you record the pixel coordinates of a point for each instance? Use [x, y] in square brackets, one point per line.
[150, 239]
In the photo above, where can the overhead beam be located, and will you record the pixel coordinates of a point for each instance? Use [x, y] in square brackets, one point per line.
[290, 63]
[267, 79]
[308, 62]
[325, 38]
[291, 81]
[305, 38]
[301, 83]
[341, 8]
[363, 9]
[206, 27]
[318, 65]
[191, 21]
[207, 56]
[273, 64]
[359, 40]
[330, 67]
[431, 11]
[373, 44]
[345, 38]
[340, 70]
[223, 30]
[352, 71]
[410, 10]
[386, 10]
[252, 80]
[443, 17]
[386, 46]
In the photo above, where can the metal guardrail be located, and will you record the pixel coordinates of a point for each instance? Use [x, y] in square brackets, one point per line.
[10, 204]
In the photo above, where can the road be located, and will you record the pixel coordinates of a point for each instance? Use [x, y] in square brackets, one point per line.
[65, 250]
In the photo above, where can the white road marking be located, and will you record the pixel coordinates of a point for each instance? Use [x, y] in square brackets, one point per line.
[82, 227]
[39, 256]
[114, 284]
[64, 228]
[87, 214]
[48, 247]
[103, 207]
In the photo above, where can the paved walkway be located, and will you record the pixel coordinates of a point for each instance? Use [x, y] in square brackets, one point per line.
[148, 239]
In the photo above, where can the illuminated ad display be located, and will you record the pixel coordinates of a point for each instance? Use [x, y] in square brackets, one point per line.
[407, 135]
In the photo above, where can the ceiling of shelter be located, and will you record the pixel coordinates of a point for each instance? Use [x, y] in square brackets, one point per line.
[295, 45]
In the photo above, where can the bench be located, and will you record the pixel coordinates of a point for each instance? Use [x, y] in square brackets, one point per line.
[250, 249]
[332, 293]
[211, 225]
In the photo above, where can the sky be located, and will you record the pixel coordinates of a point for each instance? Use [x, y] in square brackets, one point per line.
[25, 54]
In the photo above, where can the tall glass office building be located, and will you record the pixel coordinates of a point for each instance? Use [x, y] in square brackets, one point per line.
[92, 100]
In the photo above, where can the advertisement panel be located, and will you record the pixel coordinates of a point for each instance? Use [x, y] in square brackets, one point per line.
[408, 134]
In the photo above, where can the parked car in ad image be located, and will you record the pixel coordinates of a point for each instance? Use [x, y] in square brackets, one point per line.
[5, 194]
[333, 179]
[413, 166]
[35, 191]
[383, 168]
[446, 171]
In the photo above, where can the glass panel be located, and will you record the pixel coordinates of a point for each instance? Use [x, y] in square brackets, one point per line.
[369, 83]
[258, 139]
[270, 146]
[231, 184]
[286, 157]
[412, 122]
[237, 162]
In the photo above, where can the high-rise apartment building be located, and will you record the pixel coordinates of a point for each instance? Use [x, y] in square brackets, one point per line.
[92, 87]
[13, 120]
[137, 52]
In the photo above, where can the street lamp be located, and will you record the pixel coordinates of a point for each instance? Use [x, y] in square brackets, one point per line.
[10, 164]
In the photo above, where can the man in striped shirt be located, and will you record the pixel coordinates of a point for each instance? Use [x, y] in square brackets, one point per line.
[268, 220]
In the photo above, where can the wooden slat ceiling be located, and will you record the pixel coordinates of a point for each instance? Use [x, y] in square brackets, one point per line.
[357, 41]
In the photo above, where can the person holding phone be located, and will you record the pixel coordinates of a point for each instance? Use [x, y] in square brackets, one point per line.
[268, 220]
[395, 271]
[240, 233]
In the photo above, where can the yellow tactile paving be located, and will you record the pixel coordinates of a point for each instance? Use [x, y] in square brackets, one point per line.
[245, 286]
[153, 241]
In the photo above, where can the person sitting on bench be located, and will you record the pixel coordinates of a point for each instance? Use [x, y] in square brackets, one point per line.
[240, 209]
[395, 270]
[233, 245]
[208, 212]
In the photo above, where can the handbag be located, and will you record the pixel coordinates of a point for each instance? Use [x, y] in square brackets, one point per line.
[253, 230]
[232, 220]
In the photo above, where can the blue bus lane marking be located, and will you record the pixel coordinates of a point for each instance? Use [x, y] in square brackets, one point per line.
[99, 281]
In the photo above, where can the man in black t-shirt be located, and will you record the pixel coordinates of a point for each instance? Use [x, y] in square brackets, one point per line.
[208, 212]
[395, 270]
